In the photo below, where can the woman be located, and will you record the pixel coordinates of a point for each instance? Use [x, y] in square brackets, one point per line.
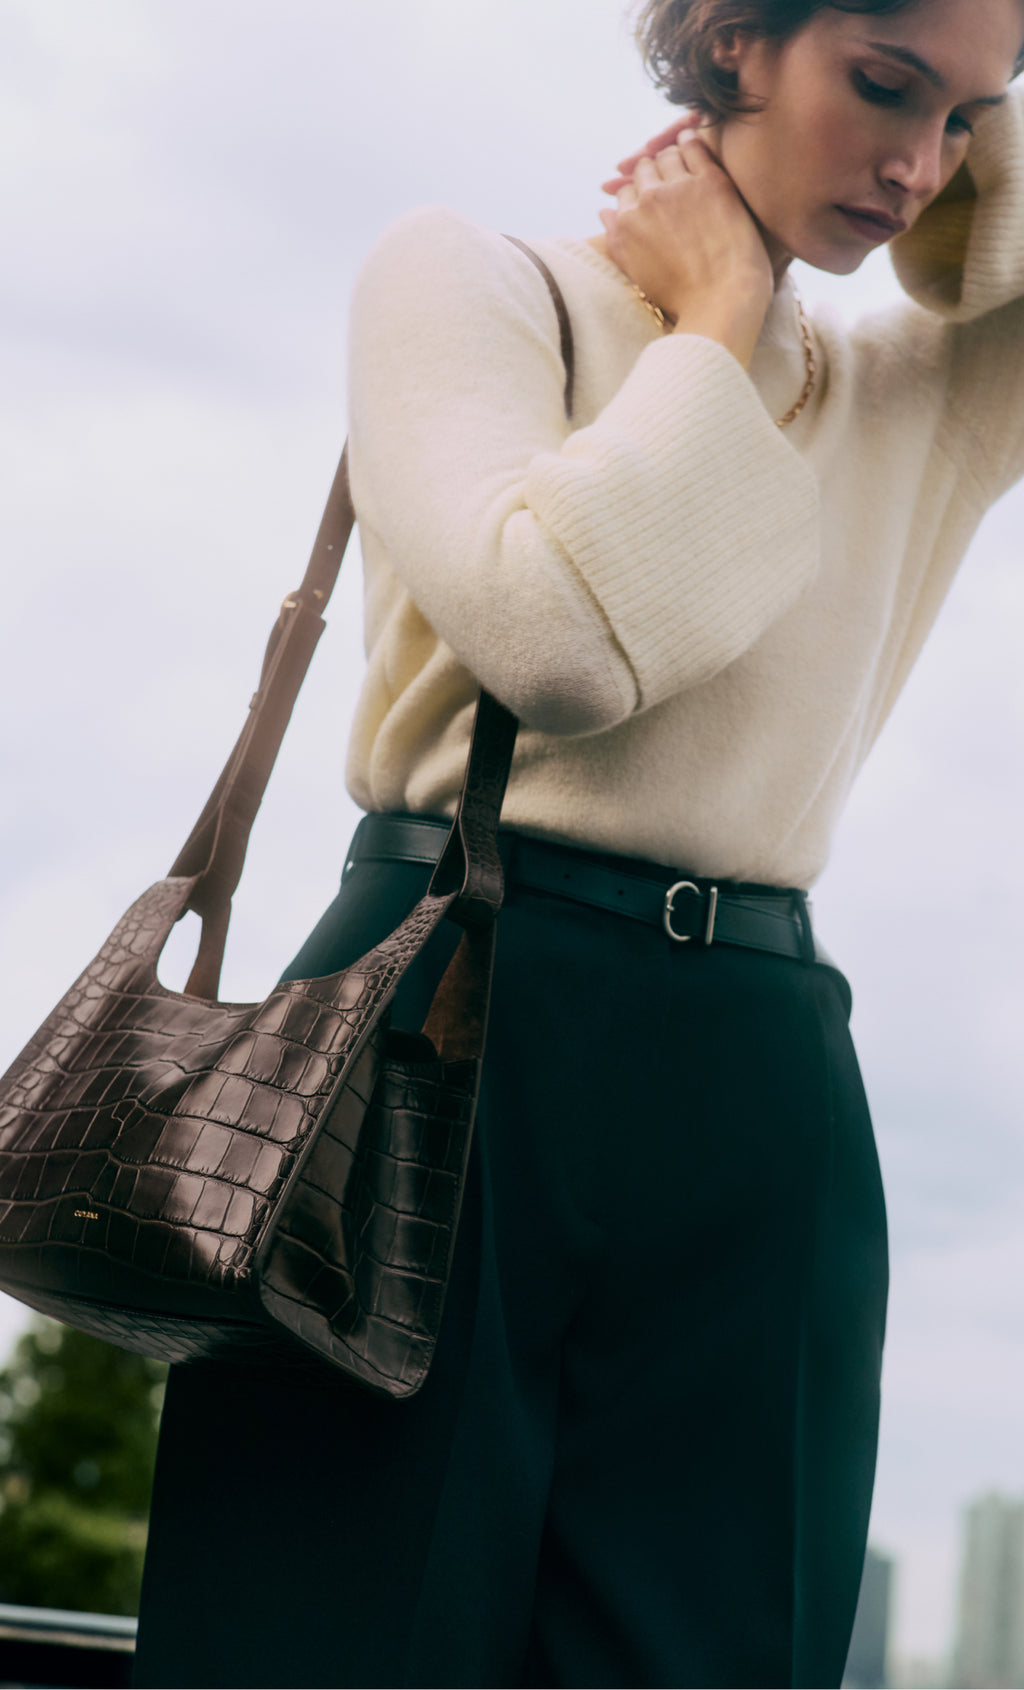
[644, 1455]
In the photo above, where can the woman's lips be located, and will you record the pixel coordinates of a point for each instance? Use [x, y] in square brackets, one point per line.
[872, 228]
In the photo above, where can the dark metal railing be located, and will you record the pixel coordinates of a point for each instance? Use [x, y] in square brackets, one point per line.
[64, 1649]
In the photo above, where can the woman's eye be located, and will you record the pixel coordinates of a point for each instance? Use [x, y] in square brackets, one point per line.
[879, 94]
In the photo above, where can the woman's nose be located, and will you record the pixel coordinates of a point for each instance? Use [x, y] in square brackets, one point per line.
[920, 170]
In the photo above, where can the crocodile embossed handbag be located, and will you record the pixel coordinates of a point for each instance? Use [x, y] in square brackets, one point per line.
[278, 1180]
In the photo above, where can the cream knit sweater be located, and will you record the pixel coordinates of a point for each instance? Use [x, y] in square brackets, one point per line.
[702, 620]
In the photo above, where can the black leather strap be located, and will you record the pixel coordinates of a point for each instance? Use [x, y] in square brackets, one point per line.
[775, 919]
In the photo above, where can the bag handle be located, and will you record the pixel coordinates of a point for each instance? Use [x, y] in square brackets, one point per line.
[214, 853]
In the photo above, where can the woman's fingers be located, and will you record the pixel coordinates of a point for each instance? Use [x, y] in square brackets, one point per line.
[646, 173]
[691, 120]
[666, 166]
[665, 143]
[670, 163]
[657, 143]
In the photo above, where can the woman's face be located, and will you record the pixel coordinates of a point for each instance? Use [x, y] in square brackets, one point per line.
[865, 112]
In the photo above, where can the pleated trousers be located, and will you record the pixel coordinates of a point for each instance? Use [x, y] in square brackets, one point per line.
[645, 1452]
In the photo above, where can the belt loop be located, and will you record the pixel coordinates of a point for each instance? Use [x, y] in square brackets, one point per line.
[709, 929]
[354, 851]
[803, 916]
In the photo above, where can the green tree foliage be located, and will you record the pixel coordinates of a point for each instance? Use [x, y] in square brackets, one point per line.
[78, 1425]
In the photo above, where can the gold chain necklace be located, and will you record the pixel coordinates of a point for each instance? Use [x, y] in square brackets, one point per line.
[667, 323]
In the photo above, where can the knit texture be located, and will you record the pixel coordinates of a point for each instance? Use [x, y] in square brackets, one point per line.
[701, 620]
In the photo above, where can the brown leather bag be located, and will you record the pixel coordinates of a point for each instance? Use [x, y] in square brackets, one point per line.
[278, 1180]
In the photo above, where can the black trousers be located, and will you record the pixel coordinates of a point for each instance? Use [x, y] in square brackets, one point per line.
[645, 1452]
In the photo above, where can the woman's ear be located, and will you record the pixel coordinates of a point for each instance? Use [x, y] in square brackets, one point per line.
[741, 58]
[727, 49]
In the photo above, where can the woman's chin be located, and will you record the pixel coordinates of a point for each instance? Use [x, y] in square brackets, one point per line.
[835, 261]
[814, 248]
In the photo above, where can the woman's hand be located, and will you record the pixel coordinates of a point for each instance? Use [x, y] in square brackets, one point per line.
[687, 124]
[683, 234]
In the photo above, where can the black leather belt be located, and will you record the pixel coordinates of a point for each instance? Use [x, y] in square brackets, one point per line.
[687, 907]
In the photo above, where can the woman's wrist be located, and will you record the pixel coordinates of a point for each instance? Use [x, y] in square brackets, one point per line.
[732, 316]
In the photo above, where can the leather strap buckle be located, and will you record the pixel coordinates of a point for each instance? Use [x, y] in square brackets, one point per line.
[670, 904]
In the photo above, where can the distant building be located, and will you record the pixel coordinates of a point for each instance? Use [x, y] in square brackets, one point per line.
[990, 1630]
[867, 1664]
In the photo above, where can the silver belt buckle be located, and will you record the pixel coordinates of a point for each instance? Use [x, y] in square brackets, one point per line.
[670, 904]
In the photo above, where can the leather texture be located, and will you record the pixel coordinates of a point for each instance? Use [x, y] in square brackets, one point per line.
[190, 1178]
[165, 1154]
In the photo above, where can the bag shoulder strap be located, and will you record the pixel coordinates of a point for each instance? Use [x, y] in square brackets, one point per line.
[562, 314]
[214, 853]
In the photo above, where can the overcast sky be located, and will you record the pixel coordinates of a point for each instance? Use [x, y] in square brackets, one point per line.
[188, 187]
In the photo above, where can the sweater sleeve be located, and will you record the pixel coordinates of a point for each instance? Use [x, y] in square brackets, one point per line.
[580, 576]
[965, 254]
[963, 261]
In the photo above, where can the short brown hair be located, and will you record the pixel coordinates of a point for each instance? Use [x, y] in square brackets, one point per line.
[677, 40]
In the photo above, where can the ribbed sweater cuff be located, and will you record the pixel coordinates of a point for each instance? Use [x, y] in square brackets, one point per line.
[965, 254]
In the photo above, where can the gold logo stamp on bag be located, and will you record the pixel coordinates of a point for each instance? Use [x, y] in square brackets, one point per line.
[86, 1215]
